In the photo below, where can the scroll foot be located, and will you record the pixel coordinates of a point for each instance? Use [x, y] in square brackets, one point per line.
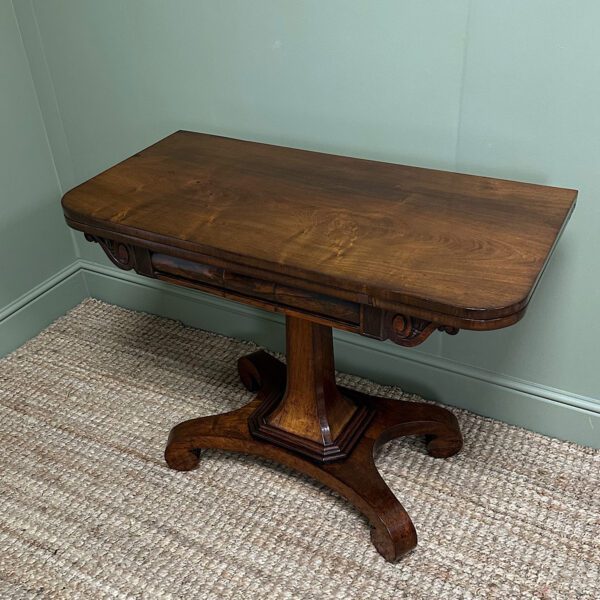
[257, 367]
[354, 477]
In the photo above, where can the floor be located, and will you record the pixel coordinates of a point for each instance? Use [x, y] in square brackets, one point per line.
[88, 508]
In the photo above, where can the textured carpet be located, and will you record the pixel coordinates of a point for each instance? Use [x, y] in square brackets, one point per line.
[88, 508]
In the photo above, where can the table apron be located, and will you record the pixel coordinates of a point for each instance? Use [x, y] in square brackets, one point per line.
[250, 290]
[402, 327]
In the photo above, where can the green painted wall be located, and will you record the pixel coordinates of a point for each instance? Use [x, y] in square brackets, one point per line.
[504, 88]
[530, 111]
[34, 244]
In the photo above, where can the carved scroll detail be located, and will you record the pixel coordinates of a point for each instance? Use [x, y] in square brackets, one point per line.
[412, 331]
[120, 254]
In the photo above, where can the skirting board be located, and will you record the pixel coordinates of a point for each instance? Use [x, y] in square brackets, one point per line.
[538, 408]
[26, 317]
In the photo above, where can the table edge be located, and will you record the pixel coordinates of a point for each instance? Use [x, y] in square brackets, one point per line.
[462, 317]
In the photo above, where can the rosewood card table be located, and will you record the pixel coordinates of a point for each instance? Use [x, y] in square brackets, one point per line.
[381, 250]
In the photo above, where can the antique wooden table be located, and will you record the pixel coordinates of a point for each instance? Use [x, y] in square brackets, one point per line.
[382, 250]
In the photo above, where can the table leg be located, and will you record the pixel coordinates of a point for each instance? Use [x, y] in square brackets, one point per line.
[300, 418]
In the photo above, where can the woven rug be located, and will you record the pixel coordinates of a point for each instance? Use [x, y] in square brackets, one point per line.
[88, 508]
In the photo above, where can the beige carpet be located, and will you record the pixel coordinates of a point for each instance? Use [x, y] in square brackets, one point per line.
[88, 508]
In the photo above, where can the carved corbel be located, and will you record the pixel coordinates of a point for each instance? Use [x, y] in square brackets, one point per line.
[120, 254]
[411, 331]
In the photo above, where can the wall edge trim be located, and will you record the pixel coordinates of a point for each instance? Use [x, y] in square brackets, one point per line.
[575, 417]
[34, 293]
[540, 391]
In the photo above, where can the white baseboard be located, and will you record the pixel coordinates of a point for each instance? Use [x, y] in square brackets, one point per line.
[536, 407]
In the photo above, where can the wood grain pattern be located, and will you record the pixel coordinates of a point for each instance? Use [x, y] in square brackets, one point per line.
[383, 250]
[356, 478]
[313, 417]
[458, 245]
[251, 287]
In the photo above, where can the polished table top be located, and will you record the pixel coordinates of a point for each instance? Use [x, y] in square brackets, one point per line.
[383, 250]
[461, 245]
